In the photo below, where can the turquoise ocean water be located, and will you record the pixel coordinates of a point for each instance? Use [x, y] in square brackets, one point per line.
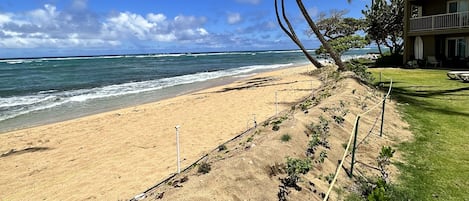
[44, 90]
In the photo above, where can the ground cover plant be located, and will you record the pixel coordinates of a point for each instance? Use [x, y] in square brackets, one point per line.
[437, 109]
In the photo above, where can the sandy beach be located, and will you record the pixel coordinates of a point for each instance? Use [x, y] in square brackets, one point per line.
[114, 155]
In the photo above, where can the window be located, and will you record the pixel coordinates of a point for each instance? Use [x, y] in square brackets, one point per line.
[456, 47]
[452, 6]
[457, 6]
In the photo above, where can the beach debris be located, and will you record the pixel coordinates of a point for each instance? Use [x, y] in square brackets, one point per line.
[139, 197]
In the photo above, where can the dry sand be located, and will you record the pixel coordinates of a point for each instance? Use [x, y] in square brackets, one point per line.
[115, 155]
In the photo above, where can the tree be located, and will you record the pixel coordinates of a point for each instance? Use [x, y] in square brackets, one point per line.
[314, 28]
[291, 33]
[341, 31]
[385, 24]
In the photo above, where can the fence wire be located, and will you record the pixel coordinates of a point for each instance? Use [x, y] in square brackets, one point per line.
[352, 133]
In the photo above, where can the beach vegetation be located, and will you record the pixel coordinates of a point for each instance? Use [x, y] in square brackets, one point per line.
[222, 147]
[250, 139]
[385, 24]
[294, 168]
[330, 177]
[204, 168]
[285, 137]
[275, 127]
[322, 156]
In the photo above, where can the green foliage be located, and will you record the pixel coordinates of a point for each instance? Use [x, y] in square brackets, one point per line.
[204, 168]
[297, 166]
[330, 177]
[385, 23]
[338, 119]
[345, 43]
[250, 139]
[360, 70]
[322, 156]
[304, 106]
[340, 31]
[285, 138]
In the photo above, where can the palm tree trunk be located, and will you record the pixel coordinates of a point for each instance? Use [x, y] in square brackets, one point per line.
[293, 36]
[325, 44]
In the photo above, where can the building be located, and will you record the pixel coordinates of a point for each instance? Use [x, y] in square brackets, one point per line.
[437, 29]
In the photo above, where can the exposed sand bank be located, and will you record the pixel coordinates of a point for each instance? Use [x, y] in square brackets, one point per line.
[113, 155]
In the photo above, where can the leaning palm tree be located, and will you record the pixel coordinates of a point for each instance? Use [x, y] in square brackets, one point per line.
[292, 35]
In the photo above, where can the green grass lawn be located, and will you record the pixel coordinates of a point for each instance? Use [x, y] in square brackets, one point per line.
[437, 109]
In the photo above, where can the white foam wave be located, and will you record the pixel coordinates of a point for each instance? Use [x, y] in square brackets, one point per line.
[11, 107]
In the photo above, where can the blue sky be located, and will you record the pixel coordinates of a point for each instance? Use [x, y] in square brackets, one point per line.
[35, 28]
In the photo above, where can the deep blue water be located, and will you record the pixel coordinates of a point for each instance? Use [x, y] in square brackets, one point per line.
[50, 87]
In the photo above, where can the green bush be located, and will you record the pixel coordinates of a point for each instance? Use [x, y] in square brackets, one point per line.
[204, 168]
[285, 138]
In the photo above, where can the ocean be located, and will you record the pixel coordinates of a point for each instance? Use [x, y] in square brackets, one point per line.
[45, 90]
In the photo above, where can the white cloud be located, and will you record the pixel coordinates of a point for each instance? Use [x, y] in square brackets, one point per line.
[233, 18]
[254, 2]
[78, 27]
[4, 18]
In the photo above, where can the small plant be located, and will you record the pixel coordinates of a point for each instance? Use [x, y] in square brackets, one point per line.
[344, 145]
[250, 139]
[304, 106]
[295, 167]
[330, 177]
[222, 147]
[204, 168]
[322, 156]
[275, 127]
[338, 119]
[312, 145]
[285, 137]
[384, 159]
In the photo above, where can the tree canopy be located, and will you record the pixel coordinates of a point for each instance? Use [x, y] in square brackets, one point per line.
[385, 24]
[340, 31]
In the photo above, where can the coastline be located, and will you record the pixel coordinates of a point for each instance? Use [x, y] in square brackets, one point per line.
[110, 155]
[80, 110]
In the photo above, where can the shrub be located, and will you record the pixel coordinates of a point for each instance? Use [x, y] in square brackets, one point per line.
[222, 147]
[250, 139]
[204, 168]
[330, 177]
[285, 138]
[276, 127]
[338, 119]
[322, 156]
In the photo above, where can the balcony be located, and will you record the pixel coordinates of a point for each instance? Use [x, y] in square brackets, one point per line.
[440, 22]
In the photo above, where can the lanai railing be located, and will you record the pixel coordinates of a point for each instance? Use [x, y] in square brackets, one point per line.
[438, 22]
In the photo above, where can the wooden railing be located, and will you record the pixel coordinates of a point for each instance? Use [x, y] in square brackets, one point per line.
[438, 22]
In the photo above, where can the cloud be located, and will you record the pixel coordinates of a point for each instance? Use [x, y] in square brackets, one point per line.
[154, 27]
[254, 2]
[233, 18]
[78, 27]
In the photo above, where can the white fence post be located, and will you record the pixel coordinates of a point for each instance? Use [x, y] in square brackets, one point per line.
[177, 147]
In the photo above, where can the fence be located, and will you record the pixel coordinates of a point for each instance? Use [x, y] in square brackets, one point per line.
[248, 129]
[354, 134]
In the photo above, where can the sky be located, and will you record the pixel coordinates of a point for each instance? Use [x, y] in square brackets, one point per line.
[48, 28]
